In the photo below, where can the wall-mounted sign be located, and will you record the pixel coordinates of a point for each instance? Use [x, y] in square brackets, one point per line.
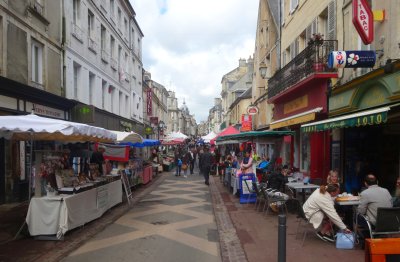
[363, 20]
[246, 123]
[252, 110]
[154, 120]
[149, 102]
[83, 113]
[148, 130]
[46, 111]
[351, 59]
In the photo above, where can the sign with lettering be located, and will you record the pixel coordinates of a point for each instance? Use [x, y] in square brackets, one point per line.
[245, 183]
[154, 120]
[47, 111]
[296, 104]
[351, 59]
[246, 123]
[149, 102]
[363, 20]
[252, 110]
[367, 120]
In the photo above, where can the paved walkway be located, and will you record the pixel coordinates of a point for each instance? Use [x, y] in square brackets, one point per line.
[175, 222]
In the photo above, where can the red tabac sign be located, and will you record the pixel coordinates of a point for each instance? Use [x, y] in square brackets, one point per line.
[149, 105]
[246, 123]
[252, 110]
[363, 20]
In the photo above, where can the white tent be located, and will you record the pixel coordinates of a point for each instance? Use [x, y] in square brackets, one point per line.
[33, 127]
[209, 136]
[175, 135]
[128, 137]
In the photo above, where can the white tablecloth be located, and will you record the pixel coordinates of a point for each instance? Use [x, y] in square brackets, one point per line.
[58, 214]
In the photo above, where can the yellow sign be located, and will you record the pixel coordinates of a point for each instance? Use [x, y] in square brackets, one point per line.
[294, 121]
[295, 104]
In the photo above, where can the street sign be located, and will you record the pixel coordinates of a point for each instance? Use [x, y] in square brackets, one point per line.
[363, 20]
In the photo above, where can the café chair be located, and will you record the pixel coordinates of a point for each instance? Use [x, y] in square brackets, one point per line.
[387, 222]
[272, 198]
[260, 195]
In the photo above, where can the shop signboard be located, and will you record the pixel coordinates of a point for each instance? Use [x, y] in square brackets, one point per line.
[149, 105]
[246, 123]
[245, 195]
[363, 20]
[352, 59]
[154, 120]
[252, 110]
[148, 130]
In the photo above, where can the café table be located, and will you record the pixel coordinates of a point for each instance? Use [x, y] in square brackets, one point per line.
[352, 201]
[300, 186]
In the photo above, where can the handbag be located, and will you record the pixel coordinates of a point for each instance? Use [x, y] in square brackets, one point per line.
[184, 166]
[345, 240]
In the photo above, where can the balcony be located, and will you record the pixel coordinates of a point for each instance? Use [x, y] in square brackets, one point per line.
[77, 32]
[92, 45]
[312, 60]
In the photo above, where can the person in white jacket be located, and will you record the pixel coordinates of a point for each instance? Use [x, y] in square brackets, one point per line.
[319, 209]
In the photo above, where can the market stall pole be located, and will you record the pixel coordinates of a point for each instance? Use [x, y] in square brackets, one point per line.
[35, 128]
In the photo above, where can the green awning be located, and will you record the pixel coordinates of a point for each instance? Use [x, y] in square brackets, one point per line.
[222, 126]
[253, 134]
[364, 118]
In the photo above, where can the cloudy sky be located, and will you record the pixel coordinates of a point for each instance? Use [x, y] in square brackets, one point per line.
[189, 45]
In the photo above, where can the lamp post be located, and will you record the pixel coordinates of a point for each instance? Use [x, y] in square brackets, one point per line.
[160, 126]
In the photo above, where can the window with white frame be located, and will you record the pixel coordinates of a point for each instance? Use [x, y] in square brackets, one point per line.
[133, 39]
[37, 62]
[103, 38]
[91, 27]
[293, 5]
[126, 27]
[112, 8]
[112, 47]
[76, 5]
[282, 11]
[92, 78]
[77, 72]
[104, 92]
[119, 17]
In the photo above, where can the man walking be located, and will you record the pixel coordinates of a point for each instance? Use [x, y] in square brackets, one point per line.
[205, 164]
[192, 159]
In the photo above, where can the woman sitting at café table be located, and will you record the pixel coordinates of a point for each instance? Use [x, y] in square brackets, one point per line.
[333, 178]
[320, 211]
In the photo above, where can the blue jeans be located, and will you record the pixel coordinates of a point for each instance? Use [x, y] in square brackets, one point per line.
[178, 170]
[206, 174]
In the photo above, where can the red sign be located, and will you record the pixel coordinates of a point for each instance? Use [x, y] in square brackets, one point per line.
[154, 120]
[363, 20]
[246, 123]
[149, 102]
[252, 110]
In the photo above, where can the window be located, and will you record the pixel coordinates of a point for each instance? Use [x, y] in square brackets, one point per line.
[103, 38]
[293, 5]
[90, 24]
[77, 71]
[103, 93]
[282, 11]
[92, 78]
[37, 62]
[133, 39]
[76, 10]
[112, 7]
[112, 46]
[126, 26]
[119, 17]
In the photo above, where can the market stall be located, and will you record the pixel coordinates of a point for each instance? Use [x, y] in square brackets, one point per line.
[72, 199]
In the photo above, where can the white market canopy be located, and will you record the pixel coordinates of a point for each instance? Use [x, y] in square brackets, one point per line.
[175, 135]
[27, 127]
[131, 137]
[209, 136]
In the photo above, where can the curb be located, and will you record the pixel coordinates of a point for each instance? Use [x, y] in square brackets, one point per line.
[231, 248]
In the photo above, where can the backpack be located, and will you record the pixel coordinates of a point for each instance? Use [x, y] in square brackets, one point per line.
[179, 162]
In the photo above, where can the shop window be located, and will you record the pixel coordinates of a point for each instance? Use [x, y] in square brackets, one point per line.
[37, 62]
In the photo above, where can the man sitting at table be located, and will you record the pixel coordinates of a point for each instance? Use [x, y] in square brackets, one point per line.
[370, 199]
[276, 181]
[320, 212]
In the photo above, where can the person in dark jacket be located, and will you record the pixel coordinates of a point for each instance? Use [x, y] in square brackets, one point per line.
[278, 179]
[206, 160]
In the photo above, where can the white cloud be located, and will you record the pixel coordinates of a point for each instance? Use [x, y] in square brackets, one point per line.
[189, 45]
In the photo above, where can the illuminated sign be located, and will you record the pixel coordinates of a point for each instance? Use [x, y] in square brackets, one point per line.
[252, 110]
[363, 20]
[149, 102]
[352, 59]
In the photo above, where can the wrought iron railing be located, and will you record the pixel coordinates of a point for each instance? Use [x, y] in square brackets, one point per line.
[312, 59]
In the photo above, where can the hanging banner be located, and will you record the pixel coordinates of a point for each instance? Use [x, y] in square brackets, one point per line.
[149, 102]
[363, 20]
[351, 59]
[246, 123]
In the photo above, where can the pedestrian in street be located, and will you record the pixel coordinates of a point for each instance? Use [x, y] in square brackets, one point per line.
[186, 162]
[206, 160]
[178, 163]
[193, 156]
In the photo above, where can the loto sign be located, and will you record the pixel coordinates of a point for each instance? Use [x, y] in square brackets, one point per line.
[363, 20]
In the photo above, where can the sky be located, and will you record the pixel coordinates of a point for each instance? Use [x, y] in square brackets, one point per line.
[189, 45]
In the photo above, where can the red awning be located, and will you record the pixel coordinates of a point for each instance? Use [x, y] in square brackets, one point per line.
[175, 141]
[230, 130]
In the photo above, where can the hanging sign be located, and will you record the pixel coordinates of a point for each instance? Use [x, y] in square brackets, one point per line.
[149, 102]
[363, 20]
[351, 59]
[246, 123]
[252, 110]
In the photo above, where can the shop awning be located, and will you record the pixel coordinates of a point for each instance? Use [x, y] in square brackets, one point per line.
[364, 118]
[296, 119]
[253, 134]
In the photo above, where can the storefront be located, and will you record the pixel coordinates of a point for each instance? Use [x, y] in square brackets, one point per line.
[364, 125]
[304, 102]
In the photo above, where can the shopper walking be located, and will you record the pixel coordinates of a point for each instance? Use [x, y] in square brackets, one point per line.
[206, 160]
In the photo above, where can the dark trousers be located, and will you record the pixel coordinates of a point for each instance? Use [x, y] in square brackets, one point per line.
[191, 167]
[206, 173]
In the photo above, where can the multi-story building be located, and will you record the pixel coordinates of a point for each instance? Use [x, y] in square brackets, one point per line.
[103, 66]
[173, 113]
[239, 107]
[233, 84]
[31, 70]
[215, 116]
[202, 128]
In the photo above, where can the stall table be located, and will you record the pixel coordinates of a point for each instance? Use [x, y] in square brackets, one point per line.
[58, 214]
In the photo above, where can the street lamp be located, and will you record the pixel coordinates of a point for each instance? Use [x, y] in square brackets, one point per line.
[161, 126]
[263, 70]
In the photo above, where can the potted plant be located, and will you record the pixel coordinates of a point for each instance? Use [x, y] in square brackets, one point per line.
[317, 40]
